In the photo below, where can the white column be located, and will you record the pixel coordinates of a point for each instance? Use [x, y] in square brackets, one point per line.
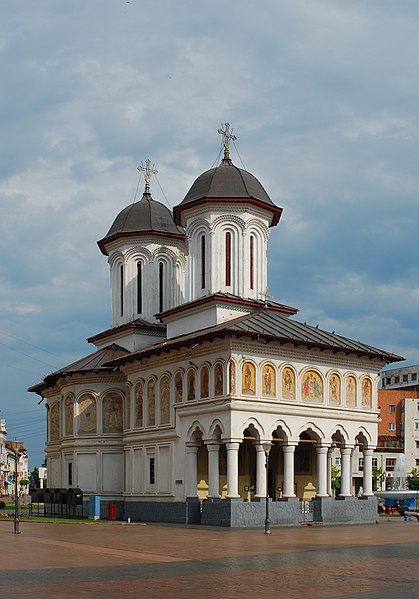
[232, 469]
[346, 472]
[213, 470]
[288, 470]
[321, 471]
[260, 471]
[192, 470]
[367, 478]
[329, 471]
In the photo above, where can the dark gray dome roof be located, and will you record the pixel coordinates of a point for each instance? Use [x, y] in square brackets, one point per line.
[146, 217]
[227, 182]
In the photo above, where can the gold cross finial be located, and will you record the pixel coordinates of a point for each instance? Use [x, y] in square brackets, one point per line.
[228, 136]
[147, 171]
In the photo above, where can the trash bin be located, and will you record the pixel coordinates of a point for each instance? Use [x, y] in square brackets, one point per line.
[112, 511]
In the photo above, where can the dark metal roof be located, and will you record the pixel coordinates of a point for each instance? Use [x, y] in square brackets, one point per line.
[139, 325]
[144, 217]
[269, 325]
[228, 298]
[227, 182]
[94, 362]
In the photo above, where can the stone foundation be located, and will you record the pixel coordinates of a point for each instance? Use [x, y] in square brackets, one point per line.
[344, 510]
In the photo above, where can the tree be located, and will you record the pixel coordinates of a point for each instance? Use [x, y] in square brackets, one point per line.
[335, 475]
[412, 480]
[34, 478]
[379, 476]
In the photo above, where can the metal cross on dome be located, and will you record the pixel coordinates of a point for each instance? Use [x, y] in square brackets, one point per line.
[147, 171]
[228, 136]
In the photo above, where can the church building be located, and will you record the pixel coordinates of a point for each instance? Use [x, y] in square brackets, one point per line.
[205, 396]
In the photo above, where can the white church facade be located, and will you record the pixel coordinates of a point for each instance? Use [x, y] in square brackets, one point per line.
[204, 395]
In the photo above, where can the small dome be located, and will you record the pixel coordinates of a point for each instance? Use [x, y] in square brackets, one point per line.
[227, 182]
[146, 217]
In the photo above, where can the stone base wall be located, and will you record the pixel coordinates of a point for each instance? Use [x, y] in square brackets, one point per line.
[345, 510]
[238, 513]
[181, 512]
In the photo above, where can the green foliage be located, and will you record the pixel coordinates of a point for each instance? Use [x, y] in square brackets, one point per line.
[34, 478]
[335, 479]
[412, 480]
[378, 475]
[24, 482]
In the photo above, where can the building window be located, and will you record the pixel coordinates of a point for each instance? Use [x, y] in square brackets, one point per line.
[414, 376]
[374, 462]
[360, 464]
[139, 288]
[203, 262]
[417, 462]
[416, 426]
[392, 408]
[388, 381]
[251, 265]
[391, 426]
[152, 473]
[397, 379]
[161, 282]
[337, 461]
[228, 259]
[390, 463]
[121, 290]
[417, 444]
[70, 474]
[405, 378]
[417, 406]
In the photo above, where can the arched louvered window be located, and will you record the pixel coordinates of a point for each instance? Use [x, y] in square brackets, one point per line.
[251, 261]
[228, 259]
[203, 264]
[121, 290]
[161, 286]
[139, 288]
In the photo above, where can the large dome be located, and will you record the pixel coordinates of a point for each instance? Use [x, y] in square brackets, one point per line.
[146, 217]
[227, 182]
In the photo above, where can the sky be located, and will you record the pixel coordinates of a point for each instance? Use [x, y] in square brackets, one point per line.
[323, 96]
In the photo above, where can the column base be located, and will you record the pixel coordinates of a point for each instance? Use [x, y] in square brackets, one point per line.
[291, 498]
[344, 497]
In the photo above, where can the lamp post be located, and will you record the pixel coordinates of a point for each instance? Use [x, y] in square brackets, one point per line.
[15, 446]
[266, 449]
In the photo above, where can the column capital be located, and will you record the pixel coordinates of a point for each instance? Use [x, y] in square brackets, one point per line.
[346, 450]
[212, 447]
[212, 442]
[191, 446]
[368, 451]
[324, 446]
[289, 448]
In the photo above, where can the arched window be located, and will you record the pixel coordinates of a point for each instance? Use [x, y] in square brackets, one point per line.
[121, 289]
[228, 259]
[251, 260]
[203, 264]
[161, 286]
[139, 288]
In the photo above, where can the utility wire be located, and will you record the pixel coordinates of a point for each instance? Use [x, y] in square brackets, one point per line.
[161, 189]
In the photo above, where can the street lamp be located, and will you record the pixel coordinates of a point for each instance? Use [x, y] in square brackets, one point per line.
[266, 449]
[15, 446]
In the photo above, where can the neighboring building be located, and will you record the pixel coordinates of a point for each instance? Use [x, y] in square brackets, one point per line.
[398, 429]
[405, 377]
[201, 377]
[8, 463]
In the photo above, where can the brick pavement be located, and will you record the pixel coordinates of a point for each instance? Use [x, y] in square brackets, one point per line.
[70, 561]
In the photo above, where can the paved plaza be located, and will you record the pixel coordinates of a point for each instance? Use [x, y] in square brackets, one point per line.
[73, 561]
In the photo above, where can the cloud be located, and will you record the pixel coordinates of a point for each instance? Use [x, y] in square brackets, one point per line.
[322, 98]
